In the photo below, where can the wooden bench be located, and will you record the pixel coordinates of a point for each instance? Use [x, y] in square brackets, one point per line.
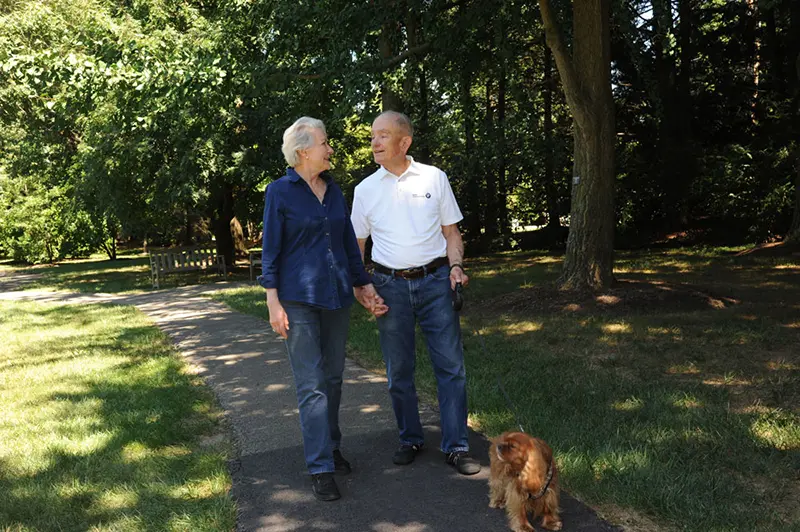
[176, 260]
[255, 260]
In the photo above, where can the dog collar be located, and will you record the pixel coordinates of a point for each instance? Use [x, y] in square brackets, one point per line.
[547, 480]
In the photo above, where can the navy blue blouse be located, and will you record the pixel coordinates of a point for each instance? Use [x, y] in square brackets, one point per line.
[309, 251]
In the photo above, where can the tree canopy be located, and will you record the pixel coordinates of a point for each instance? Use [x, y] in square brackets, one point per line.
[161, 120]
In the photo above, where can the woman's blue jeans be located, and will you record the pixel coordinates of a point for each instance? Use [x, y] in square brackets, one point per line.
[316, 346]
[427, 300]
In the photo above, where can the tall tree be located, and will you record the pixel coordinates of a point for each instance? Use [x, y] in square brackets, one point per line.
[794, 53]
[553, 222]
[794, 230]
[586, 76]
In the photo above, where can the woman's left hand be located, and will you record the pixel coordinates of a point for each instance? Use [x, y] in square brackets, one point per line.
[369, 298]
[278, 319]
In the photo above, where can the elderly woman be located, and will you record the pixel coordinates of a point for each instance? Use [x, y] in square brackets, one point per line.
[311, 269]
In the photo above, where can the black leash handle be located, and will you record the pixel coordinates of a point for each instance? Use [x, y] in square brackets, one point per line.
[458, 297]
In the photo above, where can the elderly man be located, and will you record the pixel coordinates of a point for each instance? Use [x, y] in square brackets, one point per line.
[411, 213]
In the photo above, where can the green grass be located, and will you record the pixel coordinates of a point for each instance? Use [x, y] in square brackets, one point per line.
[103, 427]
[99, 274]
[676, 412]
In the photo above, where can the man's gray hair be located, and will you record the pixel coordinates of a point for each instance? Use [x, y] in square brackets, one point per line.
[300, 136]
[402, 121]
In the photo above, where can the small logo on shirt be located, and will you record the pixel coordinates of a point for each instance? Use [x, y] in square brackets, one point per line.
[426, 195]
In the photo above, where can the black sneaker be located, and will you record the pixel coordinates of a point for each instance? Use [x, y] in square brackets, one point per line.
[324, 487]
[342, 466]
[406, 454]
[463, 462]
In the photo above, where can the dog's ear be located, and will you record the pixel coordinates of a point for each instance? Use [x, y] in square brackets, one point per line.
[535, 471]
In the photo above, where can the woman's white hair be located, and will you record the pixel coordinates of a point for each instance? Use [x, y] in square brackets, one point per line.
[299, 136]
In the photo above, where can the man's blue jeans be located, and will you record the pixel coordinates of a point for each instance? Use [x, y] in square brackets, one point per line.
[316, 346]
[426, 300]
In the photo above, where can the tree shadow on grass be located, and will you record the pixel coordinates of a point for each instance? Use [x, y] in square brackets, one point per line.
[149, 470]
[686, 415]
[124, 448]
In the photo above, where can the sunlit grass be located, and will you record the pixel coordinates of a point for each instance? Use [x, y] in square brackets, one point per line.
[101, 426]
[128, 274]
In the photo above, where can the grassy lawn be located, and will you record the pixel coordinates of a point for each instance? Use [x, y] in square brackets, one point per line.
[102, 427]
[130, 273]
[673, 401]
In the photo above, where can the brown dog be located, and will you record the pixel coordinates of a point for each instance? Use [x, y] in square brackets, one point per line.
[524, 478]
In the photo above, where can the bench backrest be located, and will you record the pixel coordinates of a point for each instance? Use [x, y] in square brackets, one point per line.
[184, 259]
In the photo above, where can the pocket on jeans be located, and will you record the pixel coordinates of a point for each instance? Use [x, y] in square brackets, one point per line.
[380, 279]
[441, 273]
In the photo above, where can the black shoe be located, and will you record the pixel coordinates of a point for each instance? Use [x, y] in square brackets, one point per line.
[463, 462]
[324, 487]
[406, 454]
[342, 466]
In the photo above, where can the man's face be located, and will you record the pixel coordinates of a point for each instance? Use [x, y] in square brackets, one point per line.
[389, 142]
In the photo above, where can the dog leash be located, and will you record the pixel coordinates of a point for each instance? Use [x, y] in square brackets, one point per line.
[549, 477]
[508, 399]
[458, 303]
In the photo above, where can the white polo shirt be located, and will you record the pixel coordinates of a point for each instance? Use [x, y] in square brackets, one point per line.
[405, 214]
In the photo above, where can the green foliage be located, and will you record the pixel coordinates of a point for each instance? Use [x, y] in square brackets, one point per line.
[147, 116]
[42, 224]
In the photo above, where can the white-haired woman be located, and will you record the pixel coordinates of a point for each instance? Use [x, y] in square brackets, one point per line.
[311, 269]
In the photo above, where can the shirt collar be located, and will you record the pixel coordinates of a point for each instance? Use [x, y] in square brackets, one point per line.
[412, 169]
[294, 177]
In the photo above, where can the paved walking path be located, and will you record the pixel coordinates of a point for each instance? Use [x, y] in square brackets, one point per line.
[248, 369]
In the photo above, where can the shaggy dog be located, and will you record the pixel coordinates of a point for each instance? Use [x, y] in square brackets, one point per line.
[524, 478]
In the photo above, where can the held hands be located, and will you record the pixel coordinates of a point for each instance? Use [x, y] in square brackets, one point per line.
[278, 319]
[458, 275]
[369, 298]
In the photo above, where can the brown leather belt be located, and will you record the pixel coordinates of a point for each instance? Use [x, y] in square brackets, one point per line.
[413, 273]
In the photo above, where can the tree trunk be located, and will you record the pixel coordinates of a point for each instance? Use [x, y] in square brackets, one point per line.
[586, 75]
[794, 230]
[423, 147]
[669, 164]
[472, 221]
[222, 225]
[390, 100]
[503, 220]
[237, 233]
[414, 35]
[491, 192]
[752, 37]
[685, 108]
[110, 246]
[551, 192]
[188, 231]
[773, 56]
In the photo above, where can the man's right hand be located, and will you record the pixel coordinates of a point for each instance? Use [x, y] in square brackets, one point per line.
[369, 298]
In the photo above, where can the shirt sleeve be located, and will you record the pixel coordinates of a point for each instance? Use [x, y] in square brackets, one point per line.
[358, 273]
[271, 242]
[448, 207]
[358, 217]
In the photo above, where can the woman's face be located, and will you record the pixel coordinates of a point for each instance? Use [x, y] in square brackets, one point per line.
[316, 158]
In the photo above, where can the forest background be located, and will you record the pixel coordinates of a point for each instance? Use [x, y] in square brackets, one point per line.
[160, 121]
